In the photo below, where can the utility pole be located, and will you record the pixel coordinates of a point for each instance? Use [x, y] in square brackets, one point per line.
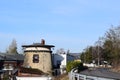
[98, 57]
[99, 51]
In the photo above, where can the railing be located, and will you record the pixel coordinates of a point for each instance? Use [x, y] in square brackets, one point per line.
[8, 68]
[76, 76]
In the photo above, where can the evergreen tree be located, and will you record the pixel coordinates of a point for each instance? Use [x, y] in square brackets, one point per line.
[12, 49]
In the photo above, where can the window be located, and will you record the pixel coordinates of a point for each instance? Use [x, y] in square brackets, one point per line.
[58, 63]
[35, 58]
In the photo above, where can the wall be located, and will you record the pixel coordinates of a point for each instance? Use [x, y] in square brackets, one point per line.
[36, 48]
[59, 57]
[33, 78]
[64, 58]
[44, 64]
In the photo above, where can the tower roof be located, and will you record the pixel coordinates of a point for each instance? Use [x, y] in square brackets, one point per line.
[37, 45]
[42, 44]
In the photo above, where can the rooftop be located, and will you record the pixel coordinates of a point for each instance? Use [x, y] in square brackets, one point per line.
[11, 57]
[42, 44]
[101, 72]
[37, 45]
[30, 72]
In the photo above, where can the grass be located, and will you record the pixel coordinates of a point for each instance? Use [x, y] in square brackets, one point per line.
[62, 77]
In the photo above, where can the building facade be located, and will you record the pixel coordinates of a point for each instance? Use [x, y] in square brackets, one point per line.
[9, 63]
[60, 61]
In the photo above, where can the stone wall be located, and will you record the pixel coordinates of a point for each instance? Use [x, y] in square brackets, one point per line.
[44, 64]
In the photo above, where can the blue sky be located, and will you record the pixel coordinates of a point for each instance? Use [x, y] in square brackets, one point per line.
[68, 24]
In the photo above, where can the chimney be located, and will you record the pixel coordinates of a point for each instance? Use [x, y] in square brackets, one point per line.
[42, 42]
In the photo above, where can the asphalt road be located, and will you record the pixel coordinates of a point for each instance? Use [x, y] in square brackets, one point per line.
[101, 72]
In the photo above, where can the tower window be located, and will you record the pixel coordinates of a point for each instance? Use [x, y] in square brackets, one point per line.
[35, 58]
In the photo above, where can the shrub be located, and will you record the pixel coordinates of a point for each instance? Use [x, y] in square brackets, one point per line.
[75, 64]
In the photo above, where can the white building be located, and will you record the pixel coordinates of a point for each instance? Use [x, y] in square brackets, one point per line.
[60, 61]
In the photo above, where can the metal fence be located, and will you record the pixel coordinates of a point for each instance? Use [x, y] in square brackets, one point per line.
[76, 76]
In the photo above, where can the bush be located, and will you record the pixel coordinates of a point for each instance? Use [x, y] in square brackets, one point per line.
[75, 64]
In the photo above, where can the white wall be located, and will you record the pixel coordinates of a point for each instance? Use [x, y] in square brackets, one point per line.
[36, 48]
[64, 58]
[59, 57]
[64, 61]
[33, 78]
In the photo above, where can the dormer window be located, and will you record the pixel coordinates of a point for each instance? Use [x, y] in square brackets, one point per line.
[35, 58]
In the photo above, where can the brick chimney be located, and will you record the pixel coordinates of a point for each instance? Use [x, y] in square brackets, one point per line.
[42, 42]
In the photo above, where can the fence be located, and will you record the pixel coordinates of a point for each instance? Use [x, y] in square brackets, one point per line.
[76, 76]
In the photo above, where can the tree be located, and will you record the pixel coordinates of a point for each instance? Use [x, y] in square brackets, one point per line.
[107, 51]
[75, 64]
[82, 57]
[112, 45]
[107, 48]
[86, 56]
[12, 47]
[60, 51]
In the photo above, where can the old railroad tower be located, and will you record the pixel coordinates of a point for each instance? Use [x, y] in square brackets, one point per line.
[38, 55]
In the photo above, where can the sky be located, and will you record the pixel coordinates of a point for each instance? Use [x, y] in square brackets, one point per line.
[69, 24]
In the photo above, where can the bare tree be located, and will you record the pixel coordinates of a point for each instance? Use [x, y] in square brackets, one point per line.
[61, 51]
[112, 44]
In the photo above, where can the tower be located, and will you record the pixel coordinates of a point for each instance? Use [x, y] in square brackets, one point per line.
[38, 55]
